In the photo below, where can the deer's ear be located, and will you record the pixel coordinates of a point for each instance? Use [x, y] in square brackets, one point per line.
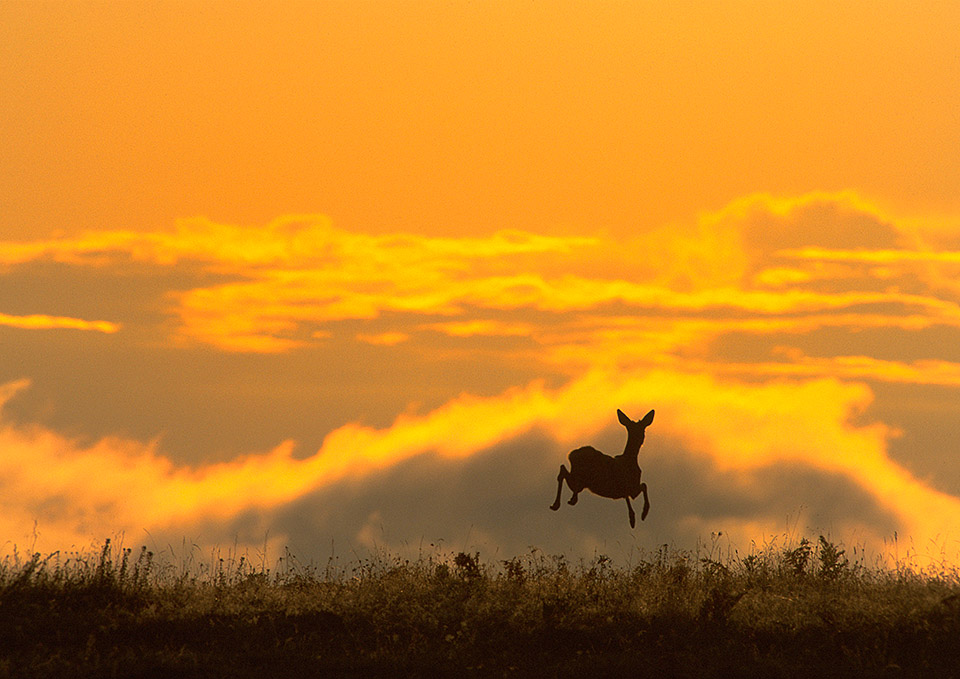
[624, 420]
[647, 420]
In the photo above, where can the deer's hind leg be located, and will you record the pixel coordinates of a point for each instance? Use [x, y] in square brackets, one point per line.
[575, 484]
[564, 474]
[576, 491]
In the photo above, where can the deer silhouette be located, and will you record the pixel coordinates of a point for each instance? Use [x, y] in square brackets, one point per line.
[612, 477]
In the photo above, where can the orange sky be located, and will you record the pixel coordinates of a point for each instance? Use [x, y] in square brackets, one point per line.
[461, 117]
[291, 270]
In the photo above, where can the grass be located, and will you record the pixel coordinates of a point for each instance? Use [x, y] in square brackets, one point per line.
[778, 612]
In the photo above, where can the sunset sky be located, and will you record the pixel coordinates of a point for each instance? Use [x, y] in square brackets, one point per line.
[343, 276]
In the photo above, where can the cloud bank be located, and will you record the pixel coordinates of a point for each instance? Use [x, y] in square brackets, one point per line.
[729, 430]
[759, 332]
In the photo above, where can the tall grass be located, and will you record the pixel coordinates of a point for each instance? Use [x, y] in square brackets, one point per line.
[808, 606]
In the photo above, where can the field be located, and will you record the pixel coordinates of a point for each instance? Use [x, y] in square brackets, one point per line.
[806, 609]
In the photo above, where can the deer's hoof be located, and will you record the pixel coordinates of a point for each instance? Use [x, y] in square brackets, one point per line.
[555, 506]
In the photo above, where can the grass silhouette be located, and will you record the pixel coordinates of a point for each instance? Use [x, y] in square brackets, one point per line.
[780, 611]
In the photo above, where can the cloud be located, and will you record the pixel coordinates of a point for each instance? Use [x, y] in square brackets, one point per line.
[942, 373]
[496, 502]
[384, 339]
[759, 262]
[484, 327]
[872, 256]
[44, 322]
[752, 431]
[756, 332]
[289, 241]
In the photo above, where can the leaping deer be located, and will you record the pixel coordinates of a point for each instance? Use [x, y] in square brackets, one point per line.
[613, 477]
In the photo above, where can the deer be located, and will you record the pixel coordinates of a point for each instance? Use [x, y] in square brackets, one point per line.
[606, 476]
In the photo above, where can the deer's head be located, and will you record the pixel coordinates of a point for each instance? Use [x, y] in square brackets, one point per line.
[635, 430]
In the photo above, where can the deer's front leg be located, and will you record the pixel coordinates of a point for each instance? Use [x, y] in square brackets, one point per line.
[633, 517]
[646, 502]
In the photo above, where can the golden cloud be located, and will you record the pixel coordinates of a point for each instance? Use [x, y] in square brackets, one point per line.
[384, 339]
[76, 491]
[483, 327]
[45, 322]
[699, 276]
[872, 256]
[631, 324]
[297, 276]
[288, 241]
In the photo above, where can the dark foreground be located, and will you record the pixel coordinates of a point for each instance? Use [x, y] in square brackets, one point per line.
[805, 611]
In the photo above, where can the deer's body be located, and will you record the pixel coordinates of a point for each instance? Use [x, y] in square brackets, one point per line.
[613, 477]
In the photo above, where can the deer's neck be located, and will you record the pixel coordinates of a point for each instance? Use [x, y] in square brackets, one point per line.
[632, 449]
